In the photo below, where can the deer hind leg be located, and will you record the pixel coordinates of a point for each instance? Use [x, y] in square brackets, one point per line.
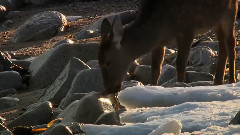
[184, 42]
[157, 61]
[227, 45]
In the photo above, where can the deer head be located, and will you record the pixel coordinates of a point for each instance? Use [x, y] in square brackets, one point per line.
[114, 62]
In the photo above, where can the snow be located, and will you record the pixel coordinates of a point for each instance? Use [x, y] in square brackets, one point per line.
[155, 110]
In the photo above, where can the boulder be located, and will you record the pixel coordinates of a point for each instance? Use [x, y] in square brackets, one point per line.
[192, 76]
[58, 90]
[235, 120]
[94, 29]
[7, 92]
[58, 129]
[41, 114]
[10, 79]
[40, 26]
[8, 102]
[168, 72]
[86, 81]
[86, 110]
[70, 98]
[200, 56]
[93, 64]
[111, 118]
[142, 73]
[52, 62]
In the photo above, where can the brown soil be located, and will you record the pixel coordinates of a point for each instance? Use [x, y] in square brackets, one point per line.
[89, 10]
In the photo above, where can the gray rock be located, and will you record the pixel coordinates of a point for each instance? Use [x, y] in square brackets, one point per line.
[6, 132]
[58, 90]
[40, 26]
[41, 114]
[7, 92]
[87, 81]
[235, 120]
[70, 98]
[94, 29]
[168, 72]
[10, 79]
[22, 63]
[93, 64]
[65, 41]
[132, 67]
[192, 76]
[87, 110]
[111, 118]
[145, 60]
[56, 112]
[131, 83]
[200, 56]
[211, 44]
[8, 102]
[142, 73]
[58, 129]
[52, 62]
[73, 18]
[201, 83]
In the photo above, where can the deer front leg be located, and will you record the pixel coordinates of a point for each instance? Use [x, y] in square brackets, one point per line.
[222, 58]
[184, 42]
[157, 61]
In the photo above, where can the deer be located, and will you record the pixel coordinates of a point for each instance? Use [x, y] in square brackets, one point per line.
[159, 23]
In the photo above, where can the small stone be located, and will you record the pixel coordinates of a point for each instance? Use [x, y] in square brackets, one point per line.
[93, 64]
[10, 79]
[111, 118]
[58, 129]
[235, 120]
[42, 114]
[142, 73]
[8, 102]
[168, 72]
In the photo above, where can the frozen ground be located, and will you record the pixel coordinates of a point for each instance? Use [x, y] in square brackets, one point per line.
[206, 110]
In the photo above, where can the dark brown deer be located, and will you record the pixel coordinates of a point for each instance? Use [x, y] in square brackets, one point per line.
[159, 23]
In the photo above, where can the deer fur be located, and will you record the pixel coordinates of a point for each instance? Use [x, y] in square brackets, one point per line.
[160, 22]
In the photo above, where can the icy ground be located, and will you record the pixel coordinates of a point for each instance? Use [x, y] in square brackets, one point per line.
[206, 110]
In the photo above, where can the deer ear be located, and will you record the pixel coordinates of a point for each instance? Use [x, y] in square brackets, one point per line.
[105, 28]
[117, 28]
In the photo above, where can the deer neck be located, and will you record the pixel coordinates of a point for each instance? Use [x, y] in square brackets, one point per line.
[138, 39]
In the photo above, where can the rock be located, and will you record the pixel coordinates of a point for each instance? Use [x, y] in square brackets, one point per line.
[41, 114]
[235, 120]
[40, 26]
[5, 63]
[168, 72]
[65, 41]
[173, 127]
[142, 73]
[70, 98]
[87, 81]
[6, 132]
[76, 128]
[73, 18]
[211, 44]
[131, 83]
[94, 29]
[52, 62]
[111, 118]
[58, 129]
[12, 4]
[132, 67]
[22, 63]
[87, 110]
[200, 56]
[201, 83]
[8, 102]
[56, 112]
[59, 89]
[10, 79]
[93, 64]
[192, 76]
[7, 92]
[145, 60]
